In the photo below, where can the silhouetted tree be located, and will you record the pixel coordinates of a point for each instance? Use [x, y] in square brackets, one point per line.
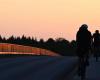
[0, 39]
[10, 39]
[41, 43]
[18, 40]
[4, 40]
[63, 46]
[50, 44]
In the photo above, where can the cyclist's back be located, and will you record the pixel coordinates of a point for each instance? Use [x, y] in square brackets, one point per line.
[83, 39]
[96, 37]
[96, 44]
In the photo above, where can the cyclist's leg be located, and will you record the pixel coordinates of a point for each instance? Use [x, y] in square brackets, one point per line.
[79, 66]
[85, 62]
[87, 58]
[96, 57]
[79, 52]
[82, 65]
[83, 68]
[96, 53]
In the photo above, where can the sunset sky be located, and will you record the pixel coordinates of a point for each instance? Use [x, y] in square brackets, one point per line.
[48, 18]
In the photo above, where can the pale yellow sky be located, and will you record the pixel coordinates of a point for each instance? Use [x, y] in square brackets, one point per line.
[48, 18]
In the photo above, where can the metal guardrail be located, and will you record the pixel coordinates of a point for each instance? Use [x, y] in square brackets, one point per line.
[15, 49]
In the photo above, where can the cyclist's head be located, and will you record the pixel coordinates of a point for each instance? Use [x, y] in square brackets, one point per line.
[84, 27]
[97, 31]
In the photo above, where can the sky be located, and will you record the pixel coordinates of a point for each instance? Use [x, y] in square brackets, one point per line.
[48, 18]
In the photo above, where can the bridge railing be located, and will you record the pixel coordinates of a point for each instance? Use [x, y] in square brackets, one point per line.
[15, 49]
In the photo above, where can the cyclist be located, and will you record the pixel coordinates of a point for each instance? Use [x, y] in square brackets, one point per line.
[96, 44]
[84, 40]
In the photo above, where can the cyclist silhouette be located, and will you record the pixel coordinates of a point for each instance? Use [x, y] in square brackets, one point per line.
[96, 44]
[84, 40]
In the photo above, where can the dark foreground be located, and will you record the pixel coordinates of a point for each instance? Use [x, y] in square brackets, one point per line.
[38, 68]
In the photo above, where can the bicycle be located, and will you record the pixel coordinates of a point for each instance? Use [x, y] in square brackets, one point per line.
[83, 63]
[96, 52]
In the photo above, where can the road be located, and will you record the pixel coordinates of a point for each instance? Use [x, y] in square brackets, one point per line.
[93, 71]
[38, 68]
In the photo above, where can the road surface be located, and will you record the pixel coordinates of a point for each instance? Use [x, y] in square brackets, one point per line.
[93, 71]
[38, 68]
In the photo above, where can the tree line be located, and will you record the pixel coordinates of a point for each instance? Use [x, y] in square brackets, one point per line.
[59, 45]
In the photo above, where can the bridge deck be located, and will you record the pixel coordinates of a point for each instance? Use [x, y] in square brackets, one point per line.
[37, 68]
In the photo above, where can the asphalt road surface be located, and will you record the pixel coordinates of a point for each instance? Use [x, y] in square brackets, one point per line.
[38, 68]
[93, 71]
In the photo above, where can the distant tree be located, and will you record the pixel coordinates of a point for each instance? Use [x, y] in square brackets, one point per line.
[63, 46]
[10, 39]
[33, 41]
[36, 42]
[42, 43]
[50, 44]
[3, 40]
[29, 41]
[23, 40]
[0, 39]
[18, 40]
[50, 40]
